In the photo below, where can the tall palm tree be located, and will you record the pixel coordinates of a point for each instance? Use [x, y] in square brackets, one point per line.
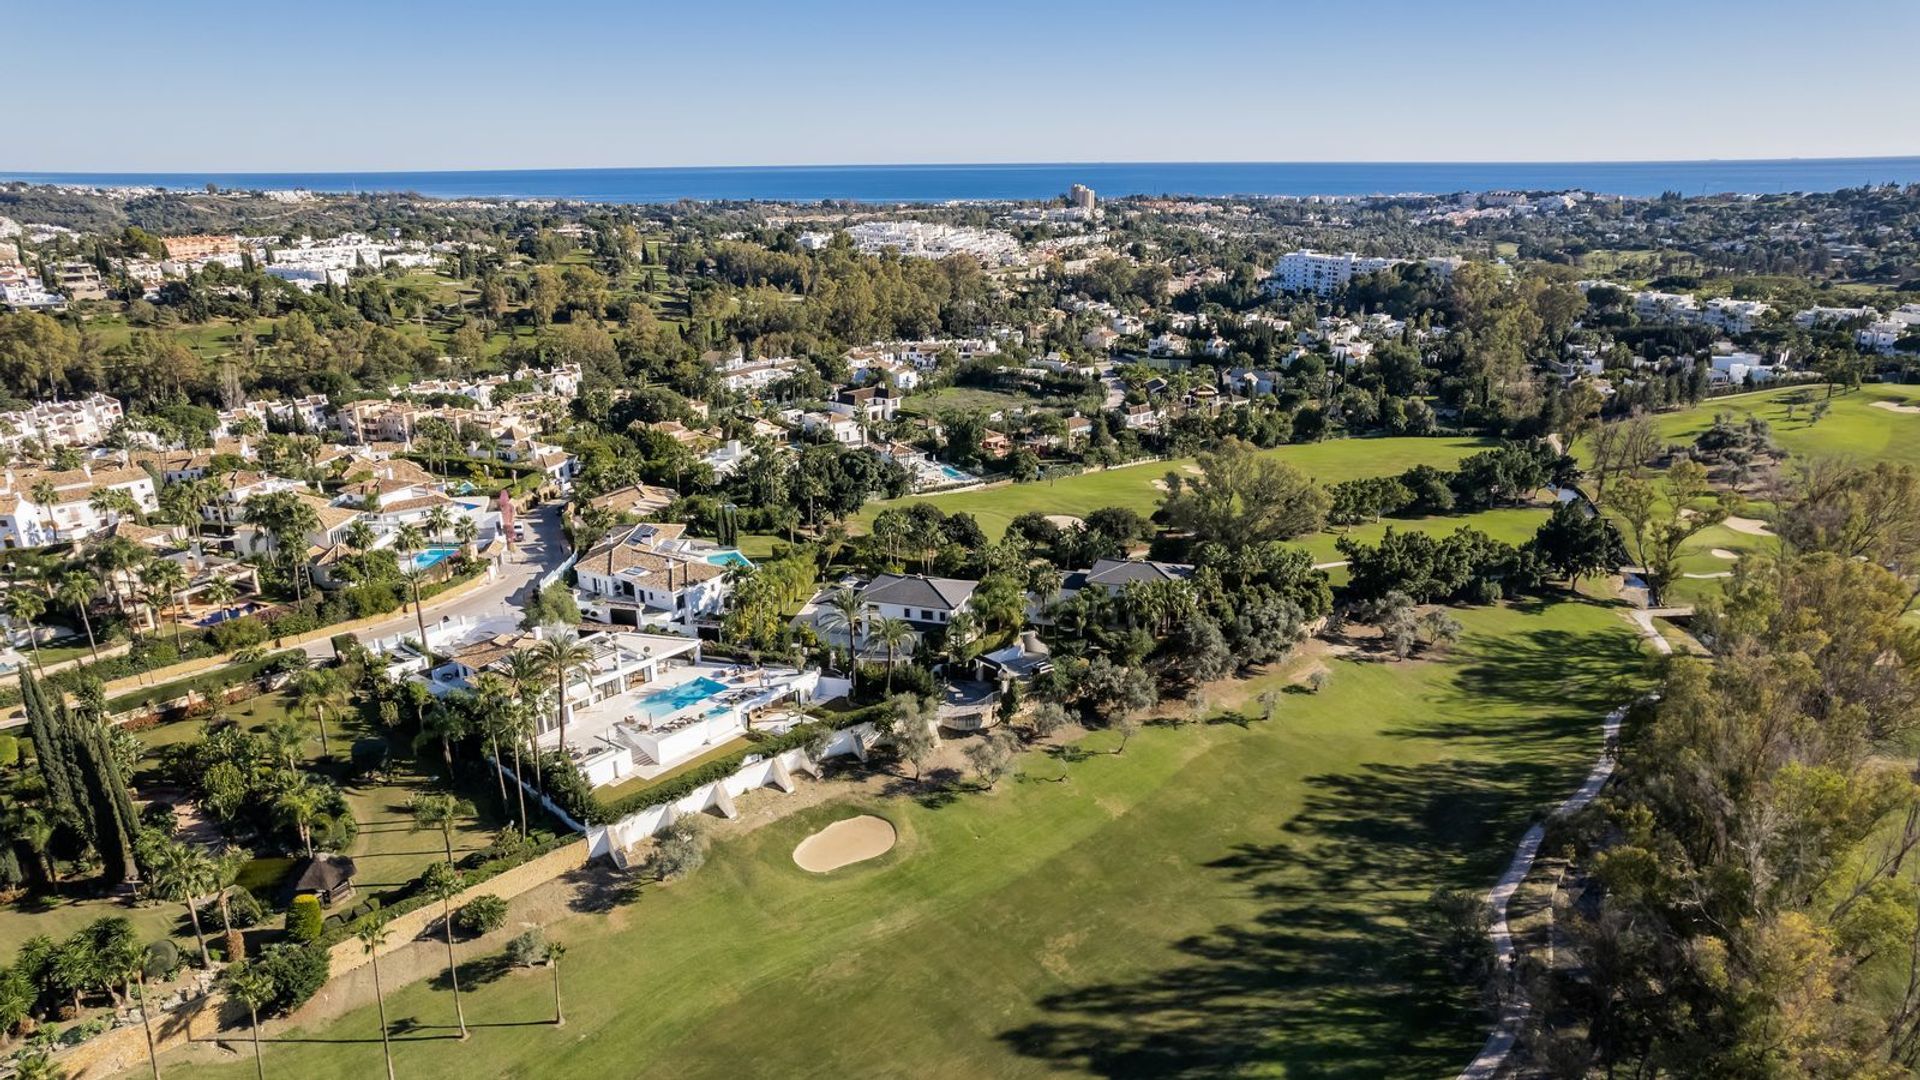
[179, 871]
[466, 532]
[76, 588]
[318, 692]
[562, 652]
[496, 721]
[443, 883]
[446, 721]
[252, 986]
[892, 633]
[164, 579]
[845, 610]
[26, 604]
[358, 535]
[220, 593]
[406, 542]
[299, 801]
[555, 951]
[373, 934]
[438, 521]
[45, 495]
[438, 810]
[527, 674]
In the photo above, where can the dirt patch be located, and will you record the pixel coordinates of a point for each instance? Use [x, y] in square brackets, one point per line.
[845, 842]
[1723, 553]
[1749, 526]
[1896, 406]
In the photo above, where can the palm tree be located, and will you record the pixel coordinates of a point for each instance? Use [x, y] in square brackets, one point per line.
[561, 652]
[164, 579]
[250, 985]
[844, 611]
[220, 593]
[466, 531]
[438, 810]
[892, 633]
[45, 495]
[496, 721]
[27, 605]
[527, 674]
[319, 691]
[359, 535]
[406, 541]
[223, 872]
[122, 559]
[178, 871]
[438, 521]
[76, 588]
[373, 934]
[446, 721]
[555, 951]
[282, 739]
[443, 883]
[299, 802]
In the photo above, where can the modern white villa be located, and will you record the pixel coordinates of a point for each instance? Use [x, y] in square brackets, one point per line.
[652, 576]
[642, 704]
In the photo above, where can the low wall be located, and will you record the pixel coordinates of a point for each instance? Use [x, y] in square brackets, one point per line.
[781, 771]
[124, 1049]
[405, 928]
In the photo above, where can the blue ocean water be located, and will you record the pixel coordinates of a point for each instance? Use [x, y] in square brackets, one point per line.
[939, 183]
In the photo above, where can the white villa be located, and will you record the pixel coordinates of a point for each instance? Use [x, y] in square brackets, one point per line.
[651, 575]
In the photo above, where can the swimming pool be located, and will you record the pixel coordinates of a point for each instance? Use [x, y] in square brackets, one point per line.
[729, 558]
[952, 473]
[425, 560]
[218, 617]
[663, 703]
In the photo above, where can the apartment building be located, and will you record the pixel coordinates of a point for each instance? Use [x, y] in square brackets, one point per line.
[1322, 274]
[39, 507]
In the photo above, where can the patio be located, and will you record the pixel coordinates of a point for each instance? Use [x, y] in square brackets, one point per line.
[688, 710]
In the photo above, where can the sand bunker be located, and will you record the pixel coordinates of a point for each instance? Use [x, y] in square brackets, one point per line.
[1065, 521]
[844, 843]
[1750, 526]
[1895, 406]
[1723, 553]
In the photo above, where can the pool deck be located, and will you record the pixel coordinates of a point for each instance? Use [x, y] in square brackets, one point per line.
[619, 725]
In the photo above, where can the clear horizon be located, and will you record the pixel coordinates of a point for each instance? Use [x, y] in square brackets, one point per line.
[216, 86]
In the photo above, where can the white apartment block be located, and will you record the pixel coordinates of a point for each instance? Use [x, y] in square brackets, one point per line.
[28, 520]
[1734, 316]
[1323, 274]
[61, 423]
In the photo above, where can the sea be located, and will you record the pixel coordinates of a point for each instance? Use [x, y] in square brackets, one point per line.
[951, 183]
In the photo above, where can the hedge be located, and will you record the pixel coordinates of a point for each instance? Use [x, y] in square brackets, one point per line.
[409, 897]
[595, 812]
[208, 682]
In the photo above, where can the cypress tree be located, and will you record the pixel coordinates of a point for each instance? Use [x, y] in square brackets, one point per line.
[116, 822]
[52, 751]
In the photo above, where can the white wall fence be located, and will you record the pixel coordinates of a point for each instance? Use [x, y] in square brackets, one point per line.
[557, 572]
[782, 771]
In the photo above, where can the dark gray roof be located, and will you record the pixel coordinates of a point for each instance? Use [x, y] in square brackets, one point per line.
[1117, 573]
[919, 591]
[324, 873]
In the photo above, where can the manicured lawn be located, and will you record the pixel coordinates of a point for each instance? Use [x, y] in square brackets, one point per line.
[1134, 486]
[1513, 525]
[1222, 899]
[1853, 427]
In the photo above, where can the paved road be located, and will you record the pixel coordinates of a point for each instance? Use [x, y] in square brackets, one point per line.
[546, 548]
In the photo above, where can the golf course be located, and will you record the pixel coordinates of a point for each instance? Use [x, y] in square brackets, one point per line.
[1234, 896]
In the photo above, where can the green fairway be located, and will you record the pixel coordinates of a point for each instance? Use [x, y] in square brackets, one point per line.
[1854, 427]
[1511, 525]
[1135, 487]
[1221, 899]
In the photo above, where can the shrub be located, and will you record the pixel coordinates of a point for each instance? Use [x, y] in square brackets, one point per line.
[304, 919]
[528, 949]
[9, 751]
[242, 909]
[297, 971]
[163, 959]
[481, 915]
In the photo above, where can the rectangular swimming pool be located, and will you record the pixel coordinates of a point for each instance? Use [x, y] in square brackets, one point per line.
[663, 703]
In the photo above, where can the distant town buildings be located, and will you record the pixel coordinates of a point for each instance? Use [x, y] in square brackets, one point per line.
[1322, 274]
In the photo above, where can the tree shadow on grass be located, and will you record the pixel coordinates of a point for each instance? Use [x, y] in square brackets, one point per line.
[475, 972]
[598, 890]
[1328, 979]
[1553, 680]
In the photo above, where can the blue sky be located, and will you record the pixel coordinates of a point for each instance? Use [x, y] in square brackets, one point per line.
[117, 85]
